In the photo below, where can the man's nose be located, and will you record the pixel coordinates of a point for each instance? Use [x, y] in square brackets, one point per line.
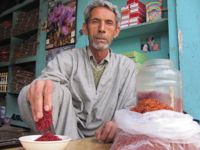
[102, 26]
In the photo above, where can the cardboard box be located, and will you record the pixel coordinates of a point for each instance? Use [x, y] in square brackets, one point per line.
[137, 5]
[153, 11]
[132, 1]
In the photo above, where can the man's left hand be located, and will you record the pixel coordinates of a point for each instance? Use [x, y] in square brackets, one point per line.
[106, 132]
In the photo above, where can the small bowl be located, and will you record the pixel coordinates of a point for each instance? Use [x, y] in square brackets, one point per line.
[29, 143]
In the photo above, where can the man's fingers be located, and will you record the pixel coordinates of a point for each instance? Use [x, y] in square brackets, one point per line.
[31, 99]
[111, 135]
[98, 133]
[48, 88]
[107, 132]
[38, 99]
[35, 97]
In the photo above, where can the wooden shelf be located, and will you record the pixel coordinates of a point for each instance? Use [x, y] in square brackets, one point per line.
[5, 41]
[144, 29]
[4, 64]
[16, 7]
[18, 123]
[26, 34]
[25, 60]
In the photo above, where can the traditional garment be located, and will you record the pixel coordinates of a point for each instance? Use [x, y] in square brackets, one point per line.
[79, 108]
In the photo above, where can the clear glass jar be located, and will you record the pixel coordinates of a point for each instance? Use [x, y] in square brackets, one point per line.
[159, 79]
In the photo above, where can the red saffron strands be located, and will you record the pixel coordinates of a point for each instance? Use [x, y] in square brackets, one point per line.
[147, 105]
[48, 136]
[44, 123]
[43, 126]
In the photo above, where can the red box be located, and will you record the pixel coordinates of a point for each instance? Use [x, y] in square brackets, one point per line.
[136, 20]
[123, 22]
[124, 26]
[137, 14]
[124, 17]
[132, 1]
[125, 10]
[138, 10]
[137, 4]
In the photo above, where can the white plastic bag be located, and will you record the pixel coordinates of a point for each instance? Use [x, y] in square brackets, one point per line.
[168, 130]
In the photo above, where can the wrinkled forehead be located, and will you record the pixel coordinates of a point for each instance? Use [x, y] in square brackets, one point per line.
[103, 13]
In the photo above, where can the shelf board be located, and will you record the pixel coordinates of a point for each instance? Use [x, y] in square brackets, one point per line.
[26, 34]
[18, 123]
[144, 29]
[25, 60]
[13, 93]
[2, 93]
[16, 7]
[5, 41]
[4, 64]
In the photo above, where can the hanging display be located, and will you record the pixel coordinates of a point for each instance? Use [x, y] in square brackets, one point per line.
[61, 25]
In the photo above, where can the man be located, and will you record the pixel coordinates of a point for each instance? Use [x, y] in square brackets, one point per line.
[84, 87]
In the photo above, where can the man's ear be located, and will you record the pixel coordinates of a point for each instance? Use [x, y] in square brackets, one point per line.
[84, 29]
[117, 32]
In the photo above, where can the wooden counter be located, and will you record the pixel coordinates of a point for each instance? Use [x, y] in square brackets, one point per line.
[83, 144]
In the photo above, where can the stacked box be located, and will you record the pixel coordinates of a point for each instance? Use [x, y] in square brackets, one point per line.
[133, 13]
[137, 12]
[26, 21]
[21, 77]
[4, 53]
[27, 48]
[153, 11]
[3, 81]
[125, 12]
[5, 29]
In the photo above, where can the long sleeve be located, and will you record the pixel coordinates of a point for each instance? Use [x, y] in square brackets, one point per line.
[78, 105]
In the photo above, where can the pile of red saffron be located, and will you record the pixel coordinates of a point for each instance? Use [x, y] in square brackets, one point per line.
[45, 122]
[43, 125]
[48, 136]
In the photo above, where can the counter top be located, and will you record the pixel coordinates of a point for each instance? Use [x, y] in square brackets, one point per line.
[87, 144]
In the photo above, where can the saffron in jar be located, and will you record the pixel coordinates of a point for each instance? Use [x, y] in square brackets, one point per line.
[147, 105]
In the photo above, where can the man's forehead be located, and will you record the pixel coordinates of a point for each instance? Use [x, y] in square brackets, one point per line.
[102, 12]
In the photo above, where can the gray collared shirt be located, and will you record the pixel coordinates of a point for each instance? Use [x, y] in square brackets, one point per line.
[95, 65]
[97, 68]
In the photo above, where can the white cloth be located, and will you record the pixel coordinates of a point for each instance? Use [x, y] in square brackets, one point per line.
[79, 108]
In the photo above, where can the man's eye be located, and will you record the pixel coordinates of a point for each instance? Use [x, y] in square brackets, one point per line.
[94, 21]
[110, 23]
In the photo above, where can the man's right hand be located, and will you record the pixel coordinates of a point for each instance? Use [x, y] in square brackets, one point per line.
[39, 95]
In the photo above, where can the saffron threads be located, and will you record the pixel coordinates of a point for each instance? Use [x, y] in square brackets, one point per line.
[48, 136]
[45, 122]
[147, 105]
[43, 125]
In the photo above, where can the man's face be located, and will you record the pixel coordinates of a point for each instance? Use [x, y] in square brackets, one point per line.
[101, 28]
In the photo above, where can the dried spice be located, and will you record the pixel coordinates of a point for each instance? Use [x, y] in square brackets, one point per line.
[48, 136]
[45, 122]
[143, 142]
[170, 100]
[147, 105]
[43, 125]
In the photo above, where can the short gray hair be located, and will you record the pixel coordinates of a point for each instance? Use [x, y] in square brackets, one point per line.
[101, 3]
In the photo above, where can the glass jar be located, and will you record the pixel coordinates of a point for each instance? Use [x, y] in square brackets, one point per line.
[159, 79]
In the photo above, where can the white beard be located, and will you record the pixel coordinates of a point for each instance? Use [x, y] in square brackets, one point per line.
[100, 46]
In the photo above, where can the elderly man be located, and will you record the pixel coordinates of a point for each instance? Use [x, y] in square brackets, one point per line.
[84, 87]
